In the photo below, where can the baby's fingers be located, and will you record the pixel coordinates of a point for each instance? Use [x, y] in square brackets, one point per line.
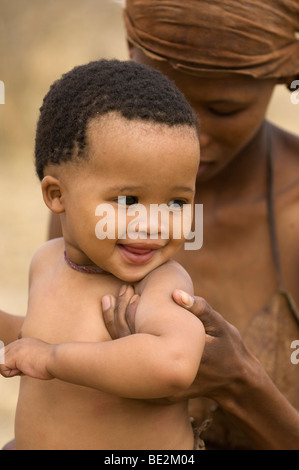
[119, 314]
[124, 310]
[108, 310]
[7, 372]
[5, 369]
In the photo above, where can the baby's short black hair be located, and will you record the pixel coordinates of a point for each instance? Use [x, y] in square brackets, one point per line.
[133, 90]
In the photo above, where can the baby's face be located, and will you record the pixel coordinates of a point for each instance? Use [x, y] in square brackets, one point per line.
[112, 199]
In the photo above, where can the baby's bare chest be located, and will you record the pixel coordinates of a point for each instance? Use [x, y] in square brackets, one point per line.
[69, 308]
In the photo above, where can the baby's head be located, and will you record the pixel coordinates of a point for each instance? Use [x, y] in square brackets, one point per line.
[91, 91]
[113, 136]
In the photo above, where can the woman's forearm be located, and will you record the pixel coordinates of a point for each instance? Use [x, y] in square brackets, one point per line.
[259, 409]
[10, 327]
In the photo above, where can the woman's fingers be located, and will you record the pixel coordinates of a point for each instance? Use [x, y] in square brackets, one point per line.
[213, 322]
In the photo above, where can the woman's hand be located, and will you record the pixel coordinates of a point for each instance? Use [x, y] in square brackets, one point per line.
[225, 356]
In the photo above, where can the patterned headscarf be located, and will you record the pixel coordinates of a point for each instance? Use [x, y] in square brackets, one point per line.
[259, 38]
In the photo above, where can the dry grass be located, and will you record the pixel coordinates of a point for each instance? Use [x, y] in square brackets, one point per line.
[40, 40]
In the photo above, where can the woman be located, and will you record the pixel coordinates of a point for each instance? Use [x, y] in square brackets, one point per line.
[227, 57]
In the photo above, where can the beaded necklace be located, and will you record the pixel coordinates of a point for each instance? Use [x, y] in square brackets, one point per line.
[82, 268]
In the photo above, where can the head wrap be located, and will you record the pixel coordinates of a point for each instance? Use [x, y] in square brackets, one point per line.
[259, 38]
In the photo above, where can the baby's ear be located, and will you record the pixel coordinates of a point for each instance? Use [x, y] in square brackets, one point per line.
[52, 194]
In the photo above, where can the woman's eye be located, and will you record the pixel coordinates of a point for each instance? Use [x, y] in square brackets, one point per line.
[127, 200]
[176, 203]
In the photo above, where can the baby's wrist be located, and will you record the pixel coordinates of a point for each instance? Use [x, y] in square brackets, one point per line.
[51, 359]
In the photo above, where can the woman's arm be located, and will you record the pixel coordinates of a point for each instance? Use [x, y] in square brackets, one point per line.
[240, 385]
[10, 327]
[228, 373]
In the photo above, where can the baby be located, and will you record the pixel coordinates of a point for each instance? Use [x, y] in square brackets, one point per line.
[112, 137]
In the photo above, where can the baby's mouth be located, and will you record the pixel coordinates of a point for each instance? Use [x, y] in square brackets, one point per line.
[139, 253]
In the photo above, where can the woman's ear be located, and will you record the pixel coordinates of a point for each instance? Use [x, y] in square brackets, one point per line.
[52, 194]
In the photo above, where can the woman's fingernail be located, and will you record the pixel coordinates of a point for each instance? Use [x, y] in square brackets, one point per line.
[106, 303]
[134, 298]
[122, 290]
[187, 299]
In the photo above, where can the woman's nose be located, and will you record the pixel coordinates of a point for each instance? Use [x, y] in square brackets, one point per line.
[204, 139]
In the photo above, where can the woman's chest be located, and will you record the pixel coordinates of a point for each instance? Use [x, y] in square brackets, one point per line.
[236, 268]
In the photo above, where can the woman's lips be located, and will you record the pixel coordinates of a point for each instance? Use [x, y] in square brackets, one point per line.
[139, 253]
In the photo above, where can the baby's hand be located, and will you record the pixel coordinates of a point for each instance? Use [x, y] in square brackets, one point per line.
[27, 356]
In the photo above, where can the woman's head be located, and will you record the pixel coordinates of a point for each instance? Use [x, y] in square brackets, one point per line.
[226, 57]
[257, 38]
[231, 109]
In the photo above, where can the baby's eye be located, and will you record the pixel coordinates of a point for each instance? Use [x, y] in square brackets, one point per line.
[127, 200]
[176, 203]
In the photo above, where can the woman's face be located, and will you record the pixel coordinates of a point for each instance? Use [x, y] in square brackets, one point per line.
[231, 110]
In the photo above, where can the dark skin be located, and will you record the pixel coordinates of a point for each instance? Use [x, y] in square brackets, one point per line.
[237, 282]
[233, 194]
[218, 379]
[234, 270]
[213, 379]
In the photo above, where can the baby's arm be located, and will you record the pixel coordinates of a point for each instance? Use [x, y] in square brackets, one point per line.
[162, 359]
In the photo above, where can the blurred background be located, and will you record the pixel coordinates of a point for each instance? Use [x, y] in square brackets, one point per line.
[39, 41]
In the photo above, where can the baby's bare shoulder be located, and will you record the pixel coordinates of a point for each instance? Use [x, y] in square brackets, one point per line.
[47, 253]
[169, 275]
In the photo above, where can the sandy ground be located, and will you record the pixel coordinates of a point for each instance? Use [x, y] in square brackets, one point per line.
[66, 33]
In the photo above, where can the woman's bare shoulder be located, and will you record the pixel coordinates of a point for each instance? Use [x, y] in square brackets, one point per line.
[286, 159]
[286, 144]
